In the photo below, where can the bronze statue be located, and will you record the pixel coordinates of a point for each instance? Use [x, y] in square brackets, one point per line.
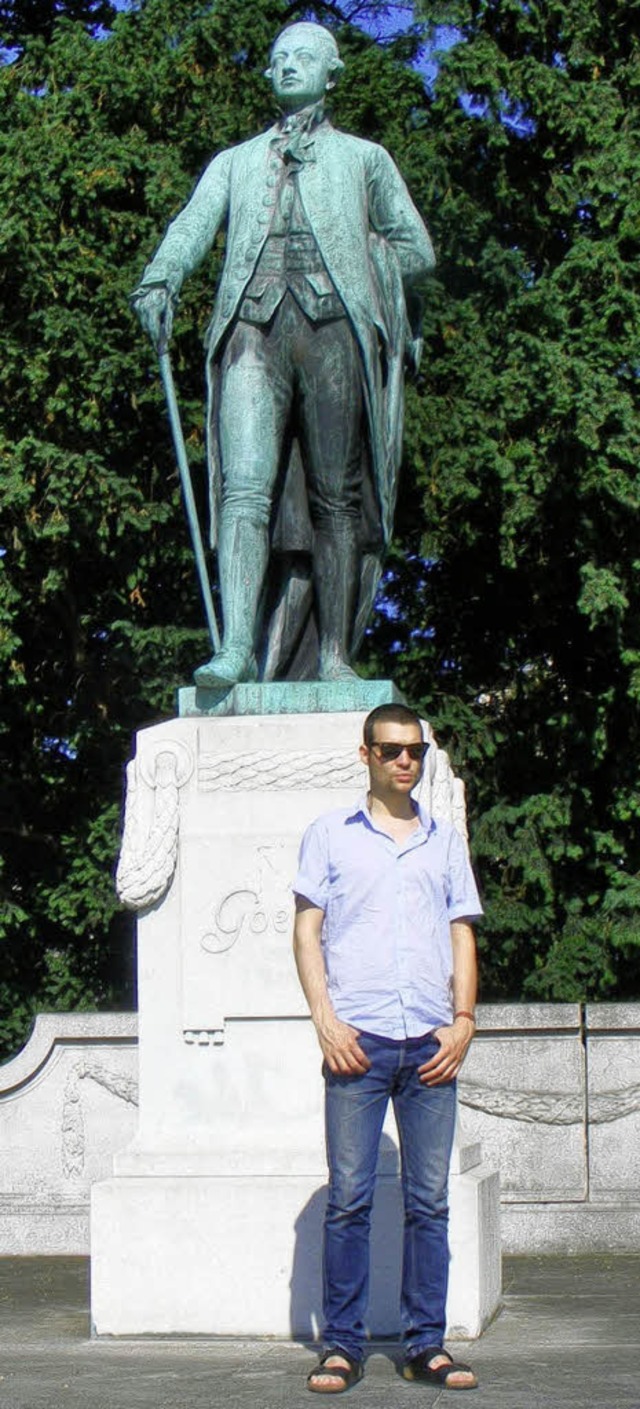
[318, 307]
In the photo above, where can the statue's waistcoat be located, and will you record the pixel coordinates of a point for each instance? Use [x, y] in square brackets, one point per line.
[290, 261]
[333, 196]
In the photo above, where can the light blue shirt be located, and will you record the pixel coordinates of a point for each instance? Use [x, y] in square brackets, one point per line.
[388, 908]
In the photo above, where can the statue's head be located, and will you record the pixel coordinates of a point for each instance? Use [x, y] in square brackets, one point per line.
[304, 65]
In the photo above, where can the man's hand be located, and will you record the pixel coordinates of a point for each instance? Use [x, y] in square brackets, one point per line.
[341, 1049]
[338, 1040]
[445, 1064]
[154, 308]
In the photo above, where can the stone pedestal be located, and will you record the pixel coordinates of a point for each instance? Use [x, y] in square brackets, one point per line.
[211, 1223]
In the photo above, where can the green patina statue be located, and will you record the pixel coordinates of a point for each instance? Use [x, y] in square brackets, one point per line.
[317, 312]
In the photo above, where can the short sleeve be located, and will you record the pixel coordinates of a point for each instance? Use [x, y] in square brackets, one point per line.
[463, 900]
[312, 879]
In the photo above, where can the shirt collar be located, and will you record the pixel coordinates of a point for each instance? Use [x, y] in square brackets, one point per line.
[361, 809]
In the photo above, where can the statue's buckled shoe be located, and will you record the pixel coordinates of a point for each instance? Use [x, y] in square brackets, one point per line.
[232, 665]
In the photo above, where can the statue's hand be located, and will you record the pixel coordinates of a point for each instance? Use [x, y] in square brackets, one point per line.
[154, 307]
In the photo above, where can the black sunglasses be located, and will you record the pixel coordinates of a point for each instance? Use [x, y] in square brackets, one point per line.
[388, 752]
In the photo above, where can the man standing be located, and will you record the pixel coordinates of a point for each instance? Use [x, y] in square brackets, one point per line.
[386, 956]
[318, 307]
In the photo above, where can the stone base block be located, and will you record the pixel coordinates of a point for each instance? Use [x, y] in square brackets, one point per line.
[288, 697]
[212, 1223]
[240, 1256]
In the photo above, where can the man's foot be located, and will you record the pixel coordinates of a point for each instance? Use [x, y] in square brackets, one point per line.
[230, 666]
[434, 1366]
[334, 1373]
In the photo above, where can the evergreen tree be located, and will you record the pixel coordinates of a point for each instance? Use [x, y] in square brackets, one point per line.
[518, 611]
[21, 20]
[510, 609]
[101, 140]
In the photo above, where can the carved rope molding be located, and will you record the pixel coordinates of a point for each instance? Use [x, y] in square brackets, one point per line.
[550, 1107]
[295, 770]
[147, 863]
[442, 793]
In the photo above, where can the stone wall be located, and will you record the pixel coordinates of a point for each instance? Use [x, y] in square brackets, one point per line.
[551, 1090]
[68, 1102]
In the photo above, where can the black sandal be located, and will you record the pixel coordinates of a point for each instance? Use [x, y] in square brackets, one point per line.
[420, 1368]
[349, 1375]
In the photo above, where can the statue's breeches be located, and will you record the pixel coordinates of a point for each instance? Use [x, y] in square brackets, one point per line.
[291, 377]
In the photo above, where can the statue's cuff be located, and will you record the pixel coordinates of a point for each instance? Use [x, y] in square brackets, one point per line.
[159, 274]
[149, 288]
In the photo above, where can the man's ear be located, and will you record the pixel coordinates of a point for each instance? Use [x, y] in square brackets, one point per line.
[364, 754]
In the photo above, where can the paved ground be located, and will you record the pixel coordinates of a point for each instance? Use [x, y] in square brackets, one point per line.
[568, 1335]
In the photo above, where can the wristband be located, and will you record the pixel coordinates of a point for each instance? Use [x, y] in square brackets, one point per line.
[462, 1013]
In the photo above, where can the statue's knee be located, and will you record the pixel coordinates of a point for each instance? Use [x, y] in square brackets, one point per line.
[246, 502]
[337, 521]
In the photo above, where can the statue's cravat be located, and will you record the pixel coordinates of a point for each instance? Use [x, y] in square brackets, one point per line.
[294, 140]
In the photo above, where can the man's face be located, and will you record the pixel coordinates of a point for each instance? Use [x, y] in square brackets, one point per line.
[300, 67]
[399, 775]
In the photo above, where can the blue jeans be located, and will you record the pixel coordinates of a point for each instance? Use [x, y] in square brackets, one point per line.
[354, 1111]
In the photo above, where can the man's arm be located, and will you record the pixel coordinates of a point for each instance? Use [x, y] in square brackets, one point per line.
[454, 1040]
[339, 1041]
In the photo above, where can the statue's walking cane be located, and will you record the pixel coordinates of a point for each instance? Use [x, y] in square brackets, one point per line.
[187, 490]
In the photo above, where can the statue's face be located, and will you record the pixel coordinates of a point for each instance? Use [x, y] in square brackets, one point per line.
[300, 68]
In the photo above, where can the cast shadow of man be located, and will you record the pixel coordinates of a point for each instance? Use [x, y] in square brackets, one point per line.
[386, 1255]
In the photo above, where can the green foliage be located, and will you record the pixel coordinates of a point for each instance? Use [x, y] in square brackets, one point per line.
[519, 610]
[100, 141]
[512, 599]
[22, 19]
[102, 137]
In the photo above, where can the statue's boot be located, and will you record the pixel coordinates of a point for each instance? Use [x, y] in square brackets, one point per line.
[336, 572]
[242, 563]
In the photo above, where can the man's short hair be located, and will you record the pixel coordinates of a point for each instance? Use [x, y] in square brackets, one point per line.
[388, 714]
[317, 31]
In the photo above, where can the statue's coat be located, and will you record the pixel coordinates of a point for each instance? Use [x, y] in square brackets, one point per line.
[373, 242]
